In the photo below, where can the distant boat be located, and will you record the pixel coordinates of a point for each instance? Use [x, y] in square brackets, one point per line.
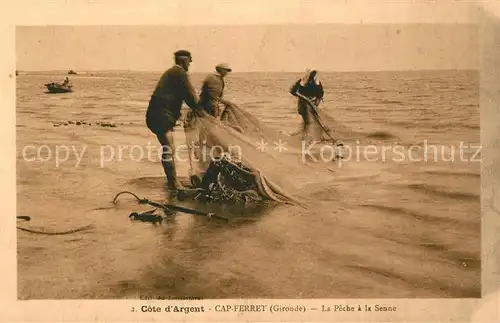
[71, 72]
[58, 88]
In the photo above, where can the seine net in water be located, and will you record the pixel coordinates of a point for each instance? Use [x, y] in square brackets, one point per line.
[280, 167]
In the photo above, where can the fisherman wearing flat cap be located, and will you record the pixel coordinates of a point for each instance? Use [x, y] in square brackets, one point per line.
[173, 88]
[212, 90]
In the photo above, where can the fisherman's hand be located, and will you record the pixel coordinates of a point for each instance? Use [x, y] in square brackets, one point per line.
[225, 102]
[229, 104]
[198, 112]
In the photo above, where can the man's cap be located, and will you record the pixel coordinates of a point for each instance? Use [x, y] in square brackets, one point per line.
[223, 66]
[183, 53]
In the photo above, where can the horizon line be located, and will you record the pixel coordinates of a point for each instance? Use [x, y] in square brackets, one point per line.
[242, 72]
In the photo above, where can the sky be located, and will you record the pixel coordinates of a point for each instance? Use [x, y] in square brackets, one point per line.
[424, 36]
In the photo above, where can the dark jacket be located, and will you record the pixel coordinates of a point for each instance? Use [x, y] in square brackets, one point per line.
[211, 90]
[312, 91]
[173, 88]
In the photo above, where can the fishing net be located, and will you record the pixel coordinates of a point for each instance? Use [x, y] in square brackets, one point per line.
[275, 162]
[322, 127]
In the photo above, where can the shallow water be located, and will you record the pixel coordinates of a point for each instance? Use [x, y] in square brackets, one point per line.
[382, 229]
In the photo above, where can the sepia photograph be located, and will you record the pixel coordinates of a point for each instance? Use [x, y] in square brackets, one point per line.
[241, 161]
[310, 161]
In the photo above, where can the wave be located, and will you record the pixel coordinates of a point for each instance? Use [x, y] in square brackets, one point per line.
[471, 126]
[387, 274]
[456, 256]
[418, 282]
[381, 135]
[392, 102]
[426, 188]
[452, 173]
[402, 212]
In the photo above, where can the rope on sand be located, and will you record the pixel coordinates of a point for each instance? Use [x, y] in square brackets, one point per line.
[169, 207]
[87, 227]
[27, 218]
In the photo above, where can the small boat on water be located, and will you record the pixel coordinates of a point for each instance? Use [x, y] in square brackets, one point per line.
[58, 88]
[72, 72]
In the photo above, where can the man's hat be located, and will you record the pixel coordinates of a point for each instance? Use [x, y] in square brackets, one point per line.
[223, 66]
[183, 53]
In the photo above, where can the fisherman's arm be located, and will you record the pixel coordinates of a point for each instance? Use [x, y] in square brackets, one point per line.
[214, 90]
[294, 90]
[190, 96]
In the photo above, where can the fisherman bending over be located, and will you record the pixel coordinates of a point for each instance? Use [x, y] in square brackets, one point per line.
[212, 90]
[173, 88]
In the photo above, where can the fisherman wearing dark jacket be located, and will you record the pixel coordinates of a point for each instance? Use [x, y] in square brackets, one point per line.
[310, 87]
[212, 90]
[173, 88]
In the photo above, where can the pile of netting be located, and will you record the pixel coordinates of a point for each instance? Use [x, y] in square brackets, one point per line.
[239, 158]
